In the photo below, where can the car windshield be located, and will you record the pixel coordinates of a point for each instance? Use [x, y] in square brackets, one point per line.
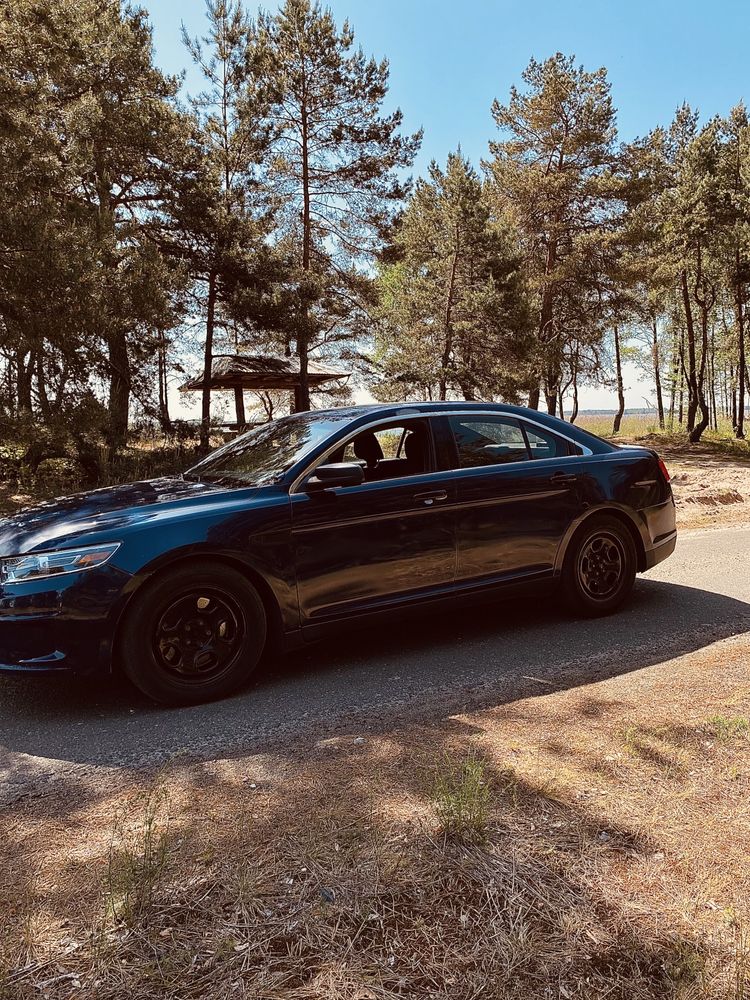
[266, 453]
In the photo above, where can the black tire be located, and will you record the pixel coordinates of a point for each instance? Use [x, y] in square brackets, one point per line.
[195, 633]
[599, 569]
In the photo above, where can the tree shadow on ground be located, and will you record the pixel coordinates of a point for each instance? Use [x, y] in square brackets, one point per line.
[337, 882]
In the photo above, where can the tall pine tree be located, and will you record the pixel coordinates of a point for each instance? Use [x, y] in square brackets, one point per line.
[336, 167]
[454, 316]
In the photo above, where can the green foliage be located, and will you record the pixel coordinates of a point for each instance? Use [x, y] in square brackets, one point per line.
[90, 139]
[552, 175]
[334, 169]
[271, 213]
[453, 313]
[138, 857]
[461, 797]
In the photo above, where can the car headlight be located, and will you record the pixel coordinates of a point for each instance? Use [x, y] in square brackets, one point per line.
[39, 565]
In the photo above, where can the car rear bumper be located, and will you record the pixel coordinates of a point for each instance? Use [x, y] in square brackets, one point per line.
[659, 532]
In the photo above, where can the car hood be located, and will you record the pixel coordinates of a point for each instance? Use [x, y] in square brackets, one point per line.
[100, 512]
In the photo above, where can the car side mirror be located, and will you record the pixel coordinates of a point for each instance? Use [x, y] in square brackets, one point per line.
[327, 477]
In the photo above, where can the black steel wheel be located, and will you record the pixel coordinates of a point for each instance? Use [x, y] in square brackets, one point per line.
[600, 567]
[193, 634]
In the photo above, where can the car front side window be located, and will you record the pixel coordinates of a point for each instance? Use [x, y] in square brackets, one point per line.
[390, 452]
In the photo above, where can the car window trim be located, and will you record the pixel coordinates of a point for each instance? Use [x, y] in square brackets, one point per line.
[430, 417]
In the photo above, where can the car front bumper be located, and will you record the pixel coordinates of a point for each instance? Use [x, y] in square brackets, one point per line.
[61, 624]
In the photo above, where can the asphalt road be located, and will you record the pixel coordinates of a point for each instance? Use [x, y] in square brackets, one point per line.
[364, 681]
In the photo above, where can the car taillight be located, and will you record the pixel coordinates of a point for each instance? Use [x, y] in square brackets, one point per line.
[664, 471]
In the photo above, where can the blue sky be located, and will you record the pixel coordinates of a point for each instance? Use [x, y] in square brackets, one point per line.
[450, 59]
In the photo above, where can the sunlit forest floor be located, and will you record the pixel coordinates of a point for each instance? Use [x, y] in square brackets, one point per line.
[583, 843]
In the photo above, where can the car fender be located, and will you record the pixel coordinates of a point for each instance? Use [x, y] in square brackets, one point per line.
[621, 512]
[279, 599]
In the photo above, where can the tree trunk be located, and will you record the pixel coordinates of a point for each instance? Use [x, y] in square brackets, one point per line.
[239, 406]
[574, 411]
[119, 387]
[620, 390]
[448, 318]
[546, 320]
[550, 395]
[302, 391]
[712, 381]
[657, 374]
[739, 423]
[691, 377]
[682, 378]
[533, 403]
[23, 388]
[705, 304]
[165, 420]
[41, 388]
[208, 358]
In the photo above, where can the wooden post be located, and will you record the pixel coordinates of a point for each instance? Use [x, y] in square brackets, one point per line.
[239, 404]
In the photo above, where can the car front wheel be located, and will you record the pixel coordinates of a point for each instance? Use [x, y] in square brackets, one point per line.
[599, 568]
[193, 634]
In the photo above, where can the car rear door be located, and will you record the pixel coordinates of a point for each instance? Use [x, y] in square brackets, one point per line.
[517, 492]
[382, 543]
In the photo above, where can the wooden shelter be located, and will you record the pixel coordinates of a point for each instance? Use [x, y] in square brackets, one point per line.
[258, 373]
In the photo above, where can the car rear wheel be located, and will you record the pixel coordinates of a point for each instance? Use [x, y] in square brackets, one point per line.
[194, 634]
[599, 568]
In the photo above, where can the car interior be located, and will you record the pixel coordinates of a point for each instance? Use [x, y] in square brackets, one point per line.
[389, 452]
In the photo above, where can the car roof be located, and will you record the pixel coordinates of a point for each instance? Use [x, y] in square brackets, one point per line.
[422, 406]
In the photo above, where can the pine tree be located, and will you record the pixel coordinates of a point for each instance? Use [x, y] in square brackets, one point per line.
[734, 180]
[92, 133]
[221, 214]
[551, 172]
[454, 314]
[336, 165]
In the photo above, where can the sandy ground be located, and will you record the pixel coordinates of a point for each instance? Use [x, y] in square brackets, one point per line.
[711, 489]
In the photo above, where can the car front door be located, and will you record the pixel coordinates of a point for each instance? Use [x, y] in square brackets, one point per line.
[385, 542]
[517, 493]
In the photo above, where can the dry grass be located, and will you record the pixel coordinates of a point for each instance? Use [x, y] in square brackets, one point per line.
[587, 843]
[637, 426]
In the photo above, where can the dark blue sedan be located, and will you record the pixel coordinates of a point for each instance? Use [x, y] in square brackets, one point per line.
[316, 519]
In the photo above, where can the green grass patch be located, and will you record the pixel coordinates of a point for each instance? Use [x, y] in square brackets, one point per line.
[461, 797]
[728, 729]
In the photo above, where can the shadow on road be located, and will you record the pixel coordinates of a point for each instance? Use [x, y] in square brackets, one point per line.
[367, 680]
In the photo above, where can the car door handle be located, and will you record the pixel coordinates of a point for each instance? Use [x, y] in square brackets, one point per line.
[563, 478]
[428, 499]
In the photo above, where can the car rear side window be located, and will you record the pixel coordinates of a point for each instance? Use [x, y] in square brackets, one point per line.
[488, 440]
[543, 444]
